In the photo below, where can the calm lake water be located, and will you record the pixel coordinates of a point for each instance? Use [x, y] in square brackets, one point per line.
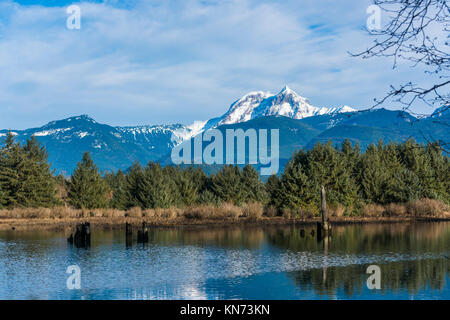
[232, 263]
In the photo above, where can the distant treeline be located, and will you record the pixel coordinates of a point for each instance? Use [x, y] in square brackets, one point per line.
[391, 173]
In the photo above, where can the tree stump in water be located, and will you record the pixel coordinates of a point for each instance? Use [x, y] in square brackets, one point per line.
[82, 237]
[143, 234]
[302, 233]
[128, 234]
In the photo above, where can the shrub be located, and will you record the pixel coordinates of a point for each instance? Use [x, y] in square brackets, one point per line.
[135, 212]
[229, 210]
[372, 210]
[395, 210]
[336, 210]
[199, 212]
[271, 211]
[427, 207]
[253, 210]
[286, 213]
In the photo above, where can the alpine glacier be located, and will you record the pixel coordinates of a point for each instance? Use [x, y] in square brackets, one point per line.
[261, 104]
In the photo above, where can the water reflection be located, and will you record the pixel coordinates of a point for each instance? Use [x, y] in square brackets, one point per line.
[230, 263]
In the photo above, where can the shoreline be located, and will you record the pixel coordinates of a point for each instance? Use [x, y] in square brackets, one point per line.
[61, 224]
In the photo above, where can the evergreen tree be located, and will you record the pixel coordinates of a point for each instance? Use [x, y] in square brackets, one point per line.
[188, 186]
[156, 189]
[39, 187]
[2, 198]
[252, 187]
[329, 168]
[11, 160]
[133, 181]
[371, 175]
[225, 184]
[273, 188]
[118, 184]
[439, 173]
[25, 176]
[87, 187]
[296, 189]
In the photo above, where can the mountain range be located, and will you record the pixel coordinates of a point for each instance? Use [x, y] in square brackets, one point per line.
[300, 123]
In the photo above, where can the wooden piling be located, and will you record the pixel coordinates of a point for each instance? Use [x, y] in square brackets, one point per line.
[82, 237]
[87, 234]
[324, 227]
[143, 233]
[128, 234]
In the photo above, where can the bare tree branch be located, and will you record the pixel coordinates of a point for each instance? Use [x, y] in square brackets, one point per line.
[418, 31]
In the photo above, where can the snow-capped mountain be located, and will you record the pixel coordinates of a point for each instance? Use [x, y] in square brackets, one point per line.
[261, 104]
[441, 112]
[301, 125]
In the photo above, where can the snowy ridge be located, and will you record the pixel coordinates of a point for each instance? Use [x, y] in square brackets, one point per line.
[252, 105]
[441, 111]
[260, 104]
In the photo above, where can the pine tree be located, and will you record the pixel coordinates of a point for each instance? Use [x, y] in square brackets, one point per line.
[439, 173]
[328, 167]
[117, 183]
[225, 185]
[156, 190]
[273, 188]
[296, 189]
[2, 198]
[25, 176]
[252, 187]
[87, 187]
[133, 181]
[39, 187]
[11, 160]
[187, 185]
[372, 176]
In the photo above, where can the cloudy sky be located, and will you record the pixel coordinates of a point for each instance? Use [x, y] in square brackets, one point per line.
[175, 61]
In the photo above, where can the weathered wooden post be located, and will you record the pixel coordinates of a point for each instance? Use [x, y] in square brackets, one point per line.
[145, 231]
[78, 238]
[324, 228]
[326, 241]
[128, 234]
[143, 234]
[324, 210]
[87, 234]
[82, 236]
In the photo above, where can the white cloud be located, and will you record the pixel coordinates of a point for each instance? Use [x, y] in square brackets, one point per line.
[179, 61]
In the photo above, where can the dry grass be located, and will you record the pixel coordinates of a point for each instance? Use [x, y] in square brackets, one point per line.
[287, 213]
[199, 212]
[270, 211]
[135, 212]
[59, 213]
[253, 210]
[230, 210]
[226, 210]
[225, 213]
[336, 210]
[427, 207]
[372, 210]
[418, 208]
[395, 210]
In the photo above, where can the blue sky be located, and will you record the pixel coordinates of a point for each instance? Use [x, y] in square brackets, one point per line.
[165, 61]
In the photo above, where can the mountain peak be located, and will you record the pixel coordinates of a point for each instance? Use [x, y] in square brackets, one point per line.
[83, 117]
[260, 104]
[443, 110]
[286, 89]
[79, 120]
